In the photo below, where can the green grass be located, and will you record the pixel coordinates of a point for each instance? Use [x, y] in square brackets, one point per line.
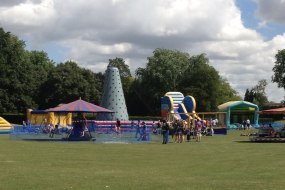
[219, 162]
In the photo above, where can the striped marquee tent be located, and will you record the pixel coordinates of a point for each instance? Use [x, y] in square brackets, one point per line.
[80, 106]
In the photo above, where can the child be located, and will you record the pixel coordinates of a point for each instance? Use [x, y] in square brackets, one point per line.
[199, 131]
[118, 126]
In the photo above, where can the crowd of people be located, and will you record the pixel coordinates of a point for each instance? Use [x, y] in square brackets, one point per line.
[180, 131]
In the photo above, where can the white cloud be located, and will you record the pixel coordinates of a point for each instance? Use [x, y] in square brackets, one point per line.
[262, 24]
[28, 13]
[92, 32]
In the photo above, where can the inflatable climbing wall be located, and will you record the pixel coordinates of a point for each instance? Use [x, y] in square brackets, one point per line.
[113, 96]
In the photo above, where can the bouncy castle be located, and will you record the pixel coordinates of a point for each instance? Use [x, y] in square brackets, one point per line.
[44, 117]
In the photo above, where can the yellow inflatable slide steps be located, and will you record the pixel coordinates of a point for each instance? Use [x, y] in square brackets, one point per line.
[5, 126]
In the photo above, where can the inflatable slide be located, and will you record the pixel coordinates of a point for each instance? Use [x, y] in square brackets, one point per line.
[5, 126]
[176, 105]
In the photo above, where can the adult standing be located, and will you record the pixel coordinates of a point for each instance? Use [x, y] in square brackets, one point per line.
[173, 131]
[132, 124]
[212, 131]
[247, 123]
[179, 132]
[142, 132]
[188, 133]
[165, 131]
[244, 124]
[138, 129]
[159, 126]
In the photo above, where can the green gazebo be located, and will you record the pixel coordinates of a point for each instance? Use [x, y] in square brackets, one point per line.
[238, 111]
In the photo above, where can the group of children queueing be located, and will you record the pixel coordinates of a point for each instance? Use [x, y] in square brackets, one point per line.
[141, 131]
[178, 129]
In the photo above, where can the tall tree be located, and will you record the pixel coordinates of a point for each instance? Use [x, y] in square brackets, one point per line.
[226, 92]
[279, 69]
[125, 73]
[15, 77]
[171, 70]
[68, 82]
[257, 94]
[42, 66]
[162, 74]
[249, 95]
[202, 82]
[121, 65]
[260, 96]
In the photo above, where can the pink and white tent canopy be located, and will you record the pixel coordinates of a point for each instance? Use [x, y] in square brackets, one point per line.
[80, 106]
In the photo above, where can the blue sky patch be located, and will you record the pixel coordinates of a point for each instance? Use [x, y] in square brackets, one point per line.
[250, 20]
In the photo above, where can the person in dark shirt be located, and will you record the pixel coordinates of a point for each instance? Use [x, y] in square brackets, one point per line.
[138, 129]
[271, 131]
[165, 131]
[142, 132]
[174, 132]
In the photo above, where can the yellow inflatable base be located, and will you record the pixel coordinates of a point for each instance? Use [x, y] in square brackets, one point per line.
[4, 124]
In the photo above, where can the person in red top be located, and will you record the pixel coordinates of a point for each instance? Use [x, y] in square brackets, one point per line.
[118, 125]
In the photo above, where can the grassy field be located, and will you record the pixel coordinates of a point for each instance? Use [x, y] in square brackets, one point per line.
[219, 162]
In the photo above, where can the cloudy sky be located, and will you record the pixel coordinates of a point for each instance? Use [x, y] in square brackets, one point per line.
[240, 37]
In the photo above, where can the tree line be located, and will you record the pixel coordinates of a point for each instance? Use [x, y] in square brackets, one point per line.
[30, 79]
[257, 93]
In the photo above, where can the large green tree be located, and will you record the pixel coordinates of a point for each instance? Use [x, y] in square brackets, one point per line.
[161, 75]
[249, 95]
[127, 82]
[32, 80]
[42, 67]
[260, 94]
[171, 70]
[257, 94]
[68, 82]
[226, 92]
[15, 79]
[279, 69]
[202, 82]
[125, 73]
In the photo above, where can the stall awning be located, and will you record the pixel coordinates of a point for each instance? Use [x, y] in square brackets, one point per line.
[274, 111]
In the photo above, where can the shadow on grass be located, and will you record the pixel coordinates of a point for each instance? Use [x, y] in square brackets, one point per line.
[45, 140]
[259, 141]
[61, 140]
